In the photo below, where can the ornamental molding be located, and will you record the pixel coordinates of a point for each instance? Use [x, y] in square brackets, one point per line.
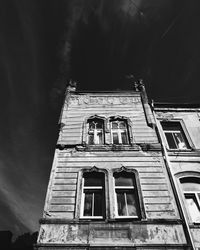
[108, 100]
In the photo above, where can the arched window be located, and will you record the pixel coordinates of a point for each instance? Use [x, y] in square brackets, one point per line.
[93, 195]
[95, 131]
[191, 190]
[126, 195]
[119, 131]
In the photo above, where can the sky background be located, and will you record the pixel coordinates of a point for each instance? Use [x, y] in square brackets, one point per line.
[98, 43]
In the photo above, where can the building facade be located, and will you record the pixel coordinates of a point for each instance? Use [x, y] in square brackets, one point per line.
[179, 129]
[111, 185]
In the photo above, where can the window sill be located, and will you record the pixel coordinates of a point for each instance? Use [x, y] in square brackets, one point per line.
[179, 150]
[194, 225]
[109, 147]
[91, 218]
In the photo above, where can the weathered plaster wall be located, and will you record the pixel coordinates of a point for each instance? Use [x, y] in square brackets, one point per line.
[118, 234]
[78, 108]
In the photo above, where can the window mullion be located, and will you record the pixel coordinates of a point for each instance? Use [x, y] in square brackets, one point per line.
[93, 204]
[119, 135]
[126, 204]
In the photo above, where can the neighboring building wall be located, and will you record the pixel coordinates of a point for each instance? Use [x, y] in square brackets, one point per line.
[158, 224]
[184, 162]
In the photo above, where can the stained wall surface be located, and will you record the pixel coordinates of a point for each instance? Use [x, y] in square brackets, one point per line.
[160, 223]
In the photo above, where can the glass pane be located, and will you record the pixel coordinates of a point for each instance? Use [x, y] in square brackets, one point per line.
[122, 125]
[91, 139]
[193, 208]
[172, 126]
[91, 125]
[115, 138]
[93, 179]
[100, 137]
[99, 125]
[88, 204]
[170, 140]
[179, 140]
[131, 204]
[190, 183]
[121, 204]
[124, 137]
[98, 200]
[123, 179]
[115, 125]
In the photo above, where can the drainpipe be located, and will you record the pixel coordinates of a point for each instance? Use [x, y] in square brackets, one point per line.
[172, 180]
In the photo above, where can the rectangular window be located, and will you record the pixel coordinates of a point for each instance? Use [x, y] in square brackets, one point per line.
[174, 135]
[93, 205]
[127, 202]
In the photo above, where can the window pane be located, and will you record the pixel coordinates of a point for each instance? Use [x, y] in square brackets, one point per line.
[124, 138]
[115, 125]
[93, 179]
[131, 204]
[172, 126]
[170, 140]
[88, 204]
[123, 179]
[91, 139]
[179, 140]
[99, 124]
[193, 207]
[122, 125]
[98, 200]
[190, 183]
[100, 137]
[115, 138]
[91, 125]
[121, 204]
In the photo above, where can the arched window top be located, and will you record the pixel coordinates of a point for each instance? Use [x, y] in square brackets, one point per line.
[93, 178]
[190, 183]
[97, 117]
[124, 179]
[119, 118]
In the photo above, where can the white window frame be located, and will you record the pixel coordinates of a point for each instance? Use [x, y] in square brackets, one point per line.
[115, 199]
[195, 193]
[184, 134]
[83, 199]
[119, 131]
[95, 131]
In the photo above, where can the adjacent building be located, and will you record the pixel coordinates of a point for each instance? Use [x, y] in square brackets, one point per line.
[179, 128]
[125, 175]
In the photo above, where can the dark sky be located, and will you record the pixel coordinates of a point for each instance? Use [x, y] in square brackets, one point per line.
[44, 43]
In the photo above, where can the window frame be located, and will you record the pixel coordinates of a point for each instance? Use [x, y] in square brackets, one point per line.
[195, 193]
[184, 134]
[79, 213]
[129, 136]
[85, 134]
[138, 195]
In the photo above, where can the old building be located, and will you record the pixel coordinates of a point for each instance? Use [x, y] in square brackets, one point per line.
[110, 185]
[179, 129]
